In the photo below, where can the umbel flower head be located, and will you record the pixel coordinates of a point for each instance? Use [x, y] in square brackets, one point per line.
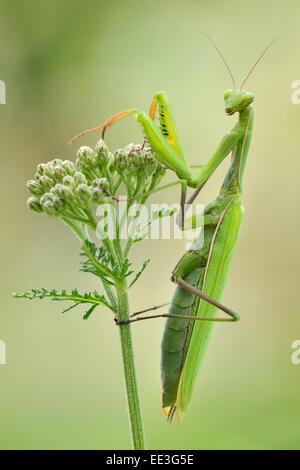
[62, 188]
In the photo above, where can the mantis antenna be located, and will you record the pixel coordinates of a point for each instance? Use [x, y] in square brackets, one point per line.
[222, 57]
[260, 57]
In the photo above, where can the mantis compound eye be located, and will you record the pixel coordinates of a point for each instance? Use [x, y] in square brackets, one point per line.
[248, 97]
[226, 94]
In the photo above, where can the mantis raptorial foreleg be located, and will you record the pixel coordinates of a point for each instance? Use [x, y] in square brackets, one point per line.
[166, 143]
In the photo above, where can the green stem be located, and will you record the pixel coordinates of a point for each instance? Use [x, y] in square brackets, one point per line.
[134, 410]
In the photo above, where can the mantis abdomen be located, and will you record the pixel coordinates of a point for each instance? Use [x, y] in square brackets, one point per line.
[178, 331]
[182, 358]
[176, 338]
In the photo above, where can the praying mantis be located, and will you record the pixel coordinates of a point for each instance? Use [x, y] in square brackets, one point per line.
[201, 272]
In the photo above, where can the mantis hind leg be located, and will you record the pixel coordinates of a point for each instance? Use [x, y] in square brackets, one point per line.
[185, 285]
[197, 292]
[150, 309]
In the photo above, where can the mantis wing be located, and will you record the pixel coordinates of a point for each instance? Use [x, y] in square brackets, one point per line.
[216, 273]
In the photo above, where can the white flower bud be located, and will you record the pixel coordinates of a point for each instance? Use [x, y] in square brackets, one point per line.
[34, 204]
[34, 188]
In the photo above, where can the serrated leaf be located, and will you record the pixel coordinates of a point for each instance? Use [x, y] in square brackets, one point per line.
[145, 264]
[159, 214]
[94, 299]
[142, 232]
[98, 259]
[89, 312]
[65, 310]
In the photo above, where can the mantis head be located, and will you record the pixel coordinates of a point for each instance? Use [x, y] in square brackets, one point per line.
[237, 100]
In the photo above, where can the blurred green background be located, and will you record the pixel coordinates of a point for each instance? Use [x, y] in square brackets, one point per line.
[68, 65]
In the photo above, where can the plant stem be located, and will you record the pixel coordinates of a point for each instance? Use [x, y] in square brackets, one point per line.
[134, 410]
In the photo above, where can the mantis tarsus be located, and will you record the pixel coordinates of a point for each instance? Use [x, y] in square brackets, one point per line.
[201, 273]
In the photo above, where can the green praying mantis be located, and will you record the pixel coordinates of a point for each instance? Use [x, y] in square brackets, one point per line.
[201, 272]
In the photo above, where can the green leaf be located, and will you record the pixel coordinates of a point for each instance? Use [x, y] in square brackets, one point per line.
[89, 312]
[65, 310]
[142, 232]
[159, 214]
[98, 259]
[145, 264]
[94, 299]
